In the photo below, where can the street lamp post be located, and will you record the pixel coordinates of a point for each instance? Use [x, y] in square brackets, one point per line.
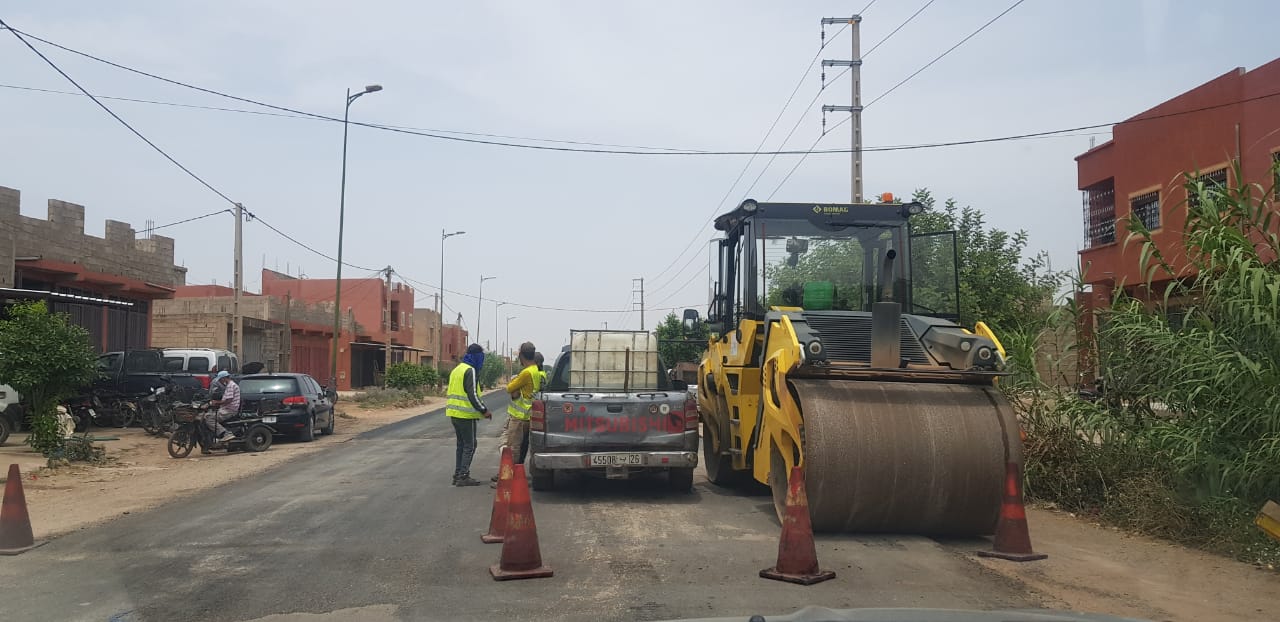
[440, 306]
[480, 304]
[496, 306]
[342, 213]
[508, 341]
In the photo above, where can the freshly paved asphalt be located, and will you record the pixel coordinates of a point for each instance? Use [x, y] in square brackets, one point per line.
[372, 530]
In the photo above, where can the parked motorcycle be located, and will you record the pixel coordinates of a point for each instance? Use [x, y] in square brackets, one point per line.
[156, 411]
[82, 412]
[249, 432]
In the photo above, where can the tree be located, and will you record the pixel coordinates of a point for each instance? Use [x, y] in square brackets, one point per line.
[671, 330]
[999, 283]
[45, 359]
[492, 371]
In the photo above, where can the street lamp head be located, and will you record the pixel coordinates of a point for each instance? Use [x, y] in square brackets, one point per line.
[373, 88]
[445, 236]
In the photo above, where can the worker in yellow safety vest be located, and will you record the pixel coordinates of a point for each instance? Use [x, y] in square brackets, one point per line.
[522, 388]
[465, 409]
[538, 360]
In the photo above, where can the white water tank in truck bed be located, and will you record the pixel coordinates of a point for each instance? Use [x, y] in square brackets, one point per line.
[613, 360]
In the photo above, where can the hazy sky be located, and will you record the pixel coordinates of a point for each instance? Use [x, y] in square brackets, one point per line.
[568, 229]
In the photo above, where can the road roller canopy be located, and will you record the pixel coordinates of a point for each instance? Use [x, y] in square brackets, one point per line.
[832, 257]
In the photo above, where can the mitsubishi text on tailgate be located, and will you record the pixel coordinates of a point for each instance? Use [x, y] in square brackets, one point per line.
[609, 409]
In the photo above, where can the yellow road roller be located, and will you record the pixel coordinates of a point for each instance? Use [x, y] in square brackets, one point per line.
[837, 346]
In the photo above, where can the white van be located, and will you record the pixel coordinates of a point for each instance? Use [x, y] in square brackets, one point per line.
[203, 363]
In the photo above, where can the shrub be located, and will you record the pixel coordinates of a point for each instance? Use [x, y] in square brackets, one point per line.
[408, 376]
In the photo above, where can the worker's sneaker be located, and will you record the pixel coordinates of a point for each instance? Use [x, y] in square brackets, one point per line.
[494, 478]
[467, 481]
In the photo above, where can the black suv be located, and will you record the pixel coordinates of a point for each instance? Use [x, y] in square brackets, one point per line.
[291, 403]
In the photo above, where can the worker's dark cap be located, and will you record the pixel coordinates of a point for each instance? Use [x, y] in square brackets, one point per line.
[475, 348]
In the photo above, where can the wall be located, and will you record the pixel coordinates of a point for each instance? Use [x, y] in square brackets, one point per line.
[364, 297]
[60, 237]
[190, 330]
[455, 343]
[426, 323]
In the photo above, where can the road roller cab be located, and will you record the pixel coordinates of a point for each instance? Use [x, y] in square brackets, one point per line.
[837, 346]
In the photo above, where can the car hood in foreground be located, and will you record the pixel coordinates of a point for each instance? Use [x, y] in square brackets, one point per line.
[822, 614]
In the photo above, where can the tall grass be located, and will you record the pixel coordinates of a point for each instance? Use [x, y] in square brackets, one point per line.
[1185, 441]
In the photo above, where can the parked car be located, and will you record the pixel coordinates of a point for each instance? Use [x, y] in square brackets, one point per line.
[202, 363]
[609, 408]
[292, 403]
[10, 412]
[135, 372]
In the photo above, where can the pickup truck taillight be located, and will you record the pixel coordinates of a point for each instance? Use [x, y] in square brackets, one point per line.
[204, 382]
[538, 416]
[691, 414]
[296, 400]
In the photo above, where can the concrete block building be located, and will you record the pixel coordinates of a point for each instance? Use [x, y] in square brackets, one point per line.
[107, 285]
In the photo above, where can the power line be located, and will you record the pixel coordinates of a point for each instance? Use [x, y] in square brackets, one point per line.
[657, 150]
[942, 55]
[895, 30]
[893, 88]
[706, 267]
[192, 219]
[716, 210]
[405, 130]
[305, 117]
[114, 115]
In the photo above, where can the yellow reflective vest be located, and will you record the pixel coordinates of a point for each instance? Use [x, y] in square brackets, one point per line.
[521, 405]
[459, 405]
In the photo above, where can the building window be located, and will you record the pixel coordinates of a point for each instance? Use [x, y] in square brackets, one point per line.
[1213, 182]
[1100, 214]
[1147, 208]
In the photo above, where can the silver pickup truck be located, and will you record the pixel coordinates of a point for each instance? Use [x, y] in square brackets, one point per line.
[609, 409]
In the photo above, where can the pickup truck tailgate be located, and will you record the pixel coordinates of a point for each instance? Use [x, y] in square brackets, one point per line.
[640, 421]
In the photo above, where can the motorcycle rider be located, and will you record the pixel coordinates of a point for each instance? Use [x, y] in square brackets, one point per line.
[228, 406]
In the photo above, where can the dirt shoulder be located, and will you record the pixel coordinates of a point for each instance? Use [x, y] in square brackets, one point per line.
[1100, 569]
[143, 476]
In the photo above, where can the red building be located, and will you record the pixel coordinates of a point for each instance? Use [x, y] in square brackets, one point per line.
[454, 343]
[365, 303]
[1230, 122]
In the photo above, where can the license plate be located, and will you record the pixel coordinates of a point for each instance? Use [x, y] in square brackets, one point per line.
[92, 414]
[268, 419]
[616, 460]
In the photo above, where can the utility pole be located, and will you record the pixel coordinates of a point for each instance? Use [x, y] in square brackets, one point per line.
[436, 330]
[507, 355]
[480, 305]
[496, 306]
[637, 287]
[237, 320]
[287, 364]
[855, 69]
[440, 304]
[386, 367]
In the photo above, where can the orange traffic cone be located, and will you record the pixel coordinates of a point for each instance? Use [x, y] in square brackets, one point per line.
[521, 558]
[15, 524]
[1012, 540]
[797, 557]
[501, 500]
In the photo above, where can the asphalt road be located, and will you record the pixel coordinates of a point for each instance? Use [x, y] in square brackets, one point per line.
[372, 530]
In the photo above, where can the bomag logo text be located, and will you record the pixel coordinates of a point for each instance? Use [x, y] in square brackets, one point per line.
[830, 209]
